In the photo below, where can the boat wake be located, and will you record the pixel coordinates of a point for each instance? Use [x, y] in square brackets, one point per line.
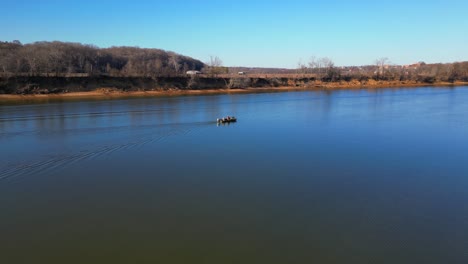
[146, 135]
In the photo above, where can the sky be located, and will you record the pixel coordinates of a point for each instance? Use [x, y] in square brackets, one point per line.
[253, 33]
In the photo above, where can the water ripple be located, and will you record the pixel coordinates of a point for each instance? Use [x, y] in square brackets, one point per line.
[52, 163]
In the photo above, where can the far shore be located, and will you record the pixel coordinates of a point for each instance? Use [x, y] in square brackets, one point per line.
[111, 93]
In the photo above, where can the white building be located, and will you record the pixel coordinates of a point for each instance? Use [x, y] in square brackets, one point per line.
[193, 72]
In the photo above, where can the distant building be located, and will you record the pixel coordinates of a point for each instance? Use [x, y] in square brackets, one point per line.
[241, 73]
[193, 72]
[414, 66]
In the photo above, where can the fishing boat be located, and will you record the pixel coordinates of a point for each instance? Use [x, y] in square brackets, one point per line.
[227, 119]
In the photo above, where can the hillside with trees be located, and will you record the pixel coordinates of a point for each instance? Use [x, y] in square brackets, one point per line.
[75, 59]
[60, 67]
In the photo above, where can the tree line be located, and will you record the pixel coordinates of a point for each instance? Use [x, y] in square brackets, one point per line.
[429, 73]
[73, 59]
[382, 69]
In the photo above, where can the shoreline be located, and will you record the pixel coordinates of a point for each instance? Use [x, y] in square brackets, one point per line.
[111, 93]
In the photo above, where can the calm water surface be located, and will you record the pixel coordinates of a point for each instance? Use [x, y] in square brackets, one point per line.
[366, 176]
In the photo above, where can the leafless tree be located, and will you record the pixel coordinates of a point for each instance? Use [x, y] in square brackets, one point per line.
[381, 63]
[327, 64]
[301, 67]
[312, 63]
[215, 66]
[321, 66]
[215, 61]
[174, 62]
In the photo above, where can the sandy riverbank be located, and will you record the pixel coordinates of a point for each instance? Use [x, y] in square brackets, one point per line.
[110, 93]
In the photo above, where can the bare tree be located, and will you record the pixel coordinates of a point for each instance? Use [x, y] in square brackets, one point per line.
[174, 62]
[327, 64]
[301, 67]
[215, 66]
[215, 61]
[380, 63]
[321, 66]
[329, 71]
[312, 63]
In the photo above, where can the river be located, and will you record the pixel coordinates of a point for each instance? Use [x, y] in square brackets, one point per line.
[346, 176]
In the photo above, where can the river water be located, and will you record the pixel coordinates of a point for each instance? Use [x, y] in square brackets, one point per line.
[349, 176]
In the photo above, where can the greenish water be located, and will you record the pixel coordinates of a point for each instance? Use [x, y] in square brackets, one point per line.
[364, 176]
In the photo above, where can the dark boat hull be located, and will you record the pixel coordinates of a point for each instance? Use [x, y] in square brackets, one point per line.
[228, 121]
[225, 120]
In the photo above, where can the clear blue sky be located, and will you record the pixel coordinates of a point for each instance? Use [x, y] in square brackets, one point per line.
[253, 33]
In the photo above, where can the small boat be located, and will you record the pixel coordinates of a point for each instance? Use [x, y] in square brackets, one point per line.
[227, 119]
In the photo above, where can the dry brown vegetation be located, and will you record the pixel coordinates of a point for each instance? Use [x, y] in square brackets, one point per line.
[58, 67]
[75, 59]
